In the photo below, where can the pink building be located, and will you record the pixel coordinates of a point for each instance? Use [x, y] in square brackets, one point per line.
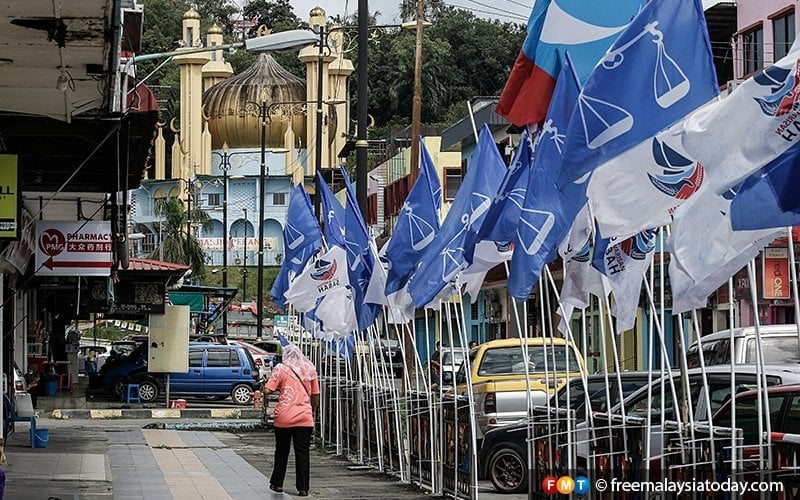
[765, 32]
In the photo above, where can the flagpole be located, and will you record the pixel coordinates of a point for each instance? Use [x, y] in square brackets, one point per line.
[763, 400]
[793, 278]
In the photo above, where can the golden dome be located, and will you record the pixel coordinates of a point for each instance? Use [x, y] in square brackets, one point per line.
[191, 14]
[215, 30]
[232, 106]
[317, 11]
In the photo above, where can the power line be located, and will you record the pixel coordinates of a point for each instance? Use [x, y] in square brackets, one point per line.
[491, 13]
[476, 2]
[520, 4]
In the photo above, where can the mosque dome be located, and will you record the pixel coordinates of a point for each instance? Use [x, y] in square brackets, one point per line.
[232, 107]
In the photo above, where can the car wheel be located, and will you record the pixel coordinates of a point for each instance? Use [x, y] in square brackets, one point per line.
[508, 471]
[118, 385]
[242, 394]
[148, 391]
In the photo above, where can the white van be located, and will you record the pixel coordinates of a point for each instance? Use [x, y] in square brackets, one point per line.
[779, 343]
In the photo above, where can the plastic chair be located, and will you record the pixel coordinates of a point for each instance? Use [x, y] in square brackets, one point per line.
[130, 393]
[65, 377]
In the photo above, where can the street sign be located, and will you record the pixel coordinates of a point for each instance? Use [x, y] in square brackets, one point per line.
[73, 248]
[281, 321]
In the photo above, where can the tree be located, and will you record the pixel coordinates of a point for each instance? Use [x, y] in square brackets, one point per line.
[433, 9]
[179, 246]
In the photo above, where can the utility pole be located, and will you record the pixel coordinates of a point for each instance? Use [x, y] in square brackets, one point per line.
[416, 104]
[361, 133]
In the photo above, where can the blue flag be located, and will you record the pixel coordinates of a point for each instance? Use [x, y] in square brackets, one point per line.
[360, 257]
[333, 215]
[416, 226]
[302, 238]
[769, 198]
[656, 72]
[547, 212]
[503, 216]
[452, 247]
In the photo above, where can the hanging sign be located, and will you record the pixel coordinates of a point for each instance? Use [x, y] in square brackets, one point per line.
[73, 248]
[775, 272]
[9, 198]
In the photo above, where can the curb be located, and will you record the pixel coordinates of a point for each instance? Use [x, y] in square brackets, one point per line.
[222, 413]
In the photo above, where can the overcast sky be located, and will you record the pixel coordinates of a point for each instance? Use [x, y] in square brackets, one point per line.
[504, 10]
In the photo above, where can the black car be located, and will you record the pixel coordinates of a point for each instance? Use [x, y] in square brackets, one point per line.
[392, 355]
[503, 457]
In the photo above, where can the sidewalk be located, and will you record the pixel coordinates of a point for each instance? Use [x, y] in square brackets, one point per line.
[105, 459]
[123, 459]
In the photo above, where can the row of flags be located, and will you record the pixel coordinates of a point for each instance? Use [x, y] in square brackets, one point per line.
[633, 137]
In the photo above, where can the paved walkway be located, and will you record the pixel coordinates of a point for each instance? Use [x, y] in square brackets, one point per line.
[124, 459]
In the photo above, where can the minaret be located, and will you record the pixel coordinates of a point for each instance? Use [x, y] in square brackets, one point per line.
[217, 69]
[310, 56]
[191, 116]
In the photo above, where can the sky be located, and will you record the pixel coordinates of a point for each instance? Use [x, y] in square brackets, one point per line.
[504, 10]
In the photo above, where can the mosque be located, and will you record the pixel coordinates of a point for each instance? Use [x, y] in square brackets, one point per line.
[225, 126]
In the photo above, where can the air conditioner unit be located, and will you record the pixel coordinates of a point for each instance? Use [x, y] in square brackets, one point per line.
[732, 84]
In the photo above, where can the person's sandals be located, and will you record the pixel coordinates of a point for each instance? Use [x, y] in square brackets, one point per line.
[276, 489]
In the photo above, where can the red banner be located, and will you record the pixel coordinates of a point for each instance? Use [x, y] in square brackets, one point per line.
[775, 267]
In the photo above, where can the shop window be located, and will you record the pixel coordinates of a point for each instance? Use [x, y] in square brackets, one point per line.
[782, 34]
[452, 181]
[753, 50]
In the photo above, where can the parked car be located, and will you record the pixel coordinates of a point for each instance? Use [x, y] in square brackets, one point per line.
[784, 415]
[262, 358]
[215, 370]
[503, 455]
[124, 347]
[498, 377]
[450, 360]
[778, 342]
[718, 380]
[272, 346]
[392, 355]
[113, 375]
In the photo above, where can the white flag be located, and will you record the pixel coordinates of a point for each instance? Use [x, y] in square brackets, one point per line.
[706, 247]
[643, 186]
[755, 124]
[327, 274]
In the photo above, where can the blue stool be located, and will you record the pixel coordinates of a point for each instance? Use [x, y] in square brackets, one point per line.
[130, 393]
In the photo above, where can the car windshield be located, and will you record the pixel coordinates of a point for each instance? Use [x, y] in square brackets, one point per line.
[776, 349]
[541, 359]
[450, 358]
[250, 347]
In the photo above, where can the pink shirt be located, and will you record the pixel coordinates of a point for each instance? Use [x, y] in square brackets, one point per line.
[294, 403]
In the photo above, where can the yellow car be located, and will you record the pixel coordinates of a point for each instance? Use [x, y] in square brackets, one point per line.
[497, 370]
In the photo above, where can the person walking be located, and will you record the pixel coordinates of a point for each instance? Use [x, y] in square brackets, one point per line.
[295, 379]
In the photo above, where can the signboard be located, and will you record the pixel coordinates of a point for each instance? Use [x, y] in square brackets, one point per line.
[216, 244]
[9, 198]
[775, 273]
[169, 341]
[73, 248]
[130, 296]
[284, 321]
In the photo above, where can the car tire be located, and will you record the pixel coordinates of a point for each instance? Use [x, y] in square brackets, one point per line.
[508, 470]
[118, 384]
[148, 391]
[242, 394]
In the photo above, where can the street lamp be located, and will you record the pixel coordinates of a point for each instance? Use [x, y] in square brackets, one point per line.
[225, 166]
[263, 113]
[274, 42]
